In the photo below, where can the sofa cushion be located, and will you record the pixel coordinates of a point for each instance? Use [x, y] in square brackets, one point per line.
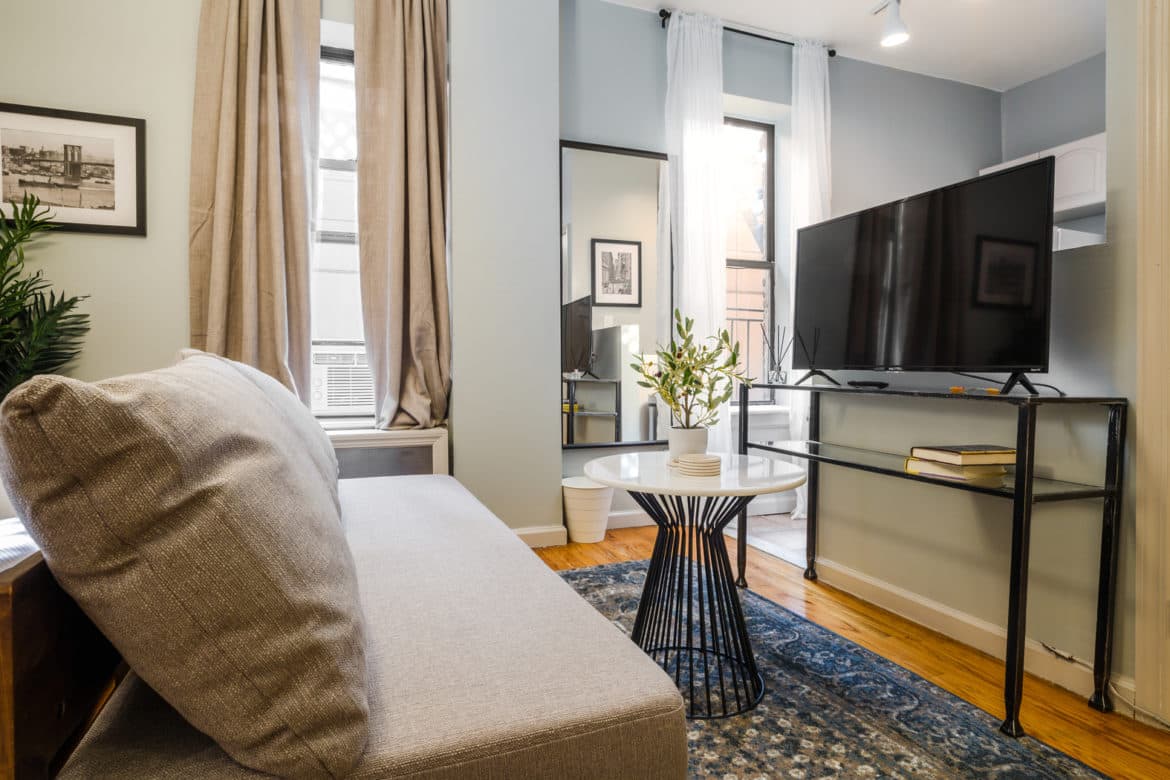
[483, 663]
[190, 515]
[293, 412]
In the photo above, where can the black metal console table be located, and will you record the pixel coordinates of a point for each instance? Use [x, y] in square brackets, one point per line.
[1022, 487]
[571, 413]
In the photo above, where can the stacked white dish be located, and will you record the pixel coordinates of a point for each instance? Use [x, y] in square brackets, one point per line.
[699, 465]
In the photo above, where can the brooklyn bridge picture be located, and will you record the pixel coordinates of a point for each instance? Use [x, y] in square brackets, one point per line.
[88, 169]
[61, 170]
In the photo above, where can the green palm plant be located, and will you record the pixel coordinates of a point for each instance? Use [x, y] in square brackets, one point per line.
[41, 331]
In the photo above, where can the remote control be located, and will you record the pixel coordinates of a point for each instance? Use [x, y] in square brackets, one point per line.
[868, 385]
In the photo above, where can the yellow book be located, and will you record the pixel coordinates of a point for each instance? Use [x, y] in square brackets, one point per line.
[928, 468]
[966, 454]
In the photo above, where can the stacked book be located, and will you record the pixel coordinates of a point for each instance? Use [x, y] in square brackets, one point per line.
[976, 463]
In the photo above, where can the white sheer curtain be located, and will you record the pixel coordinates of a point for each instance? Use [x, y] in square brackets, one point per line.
[694, 131]
[664, 289]
[810, 185]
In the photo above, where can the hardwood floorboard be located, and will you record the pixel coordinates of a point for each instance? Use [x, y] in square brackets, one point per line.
[1113, 744]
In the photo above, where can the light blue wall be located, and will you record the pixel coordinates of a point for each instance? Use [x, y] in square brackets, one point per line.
[756, 68]
[613, 73]
[504, 245]
[1055, 109]
[894, 132]
[897, 133]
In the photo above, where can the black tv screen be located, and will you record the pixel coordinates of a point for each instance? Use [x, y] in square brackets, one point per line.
[957, 279]
[577, 335]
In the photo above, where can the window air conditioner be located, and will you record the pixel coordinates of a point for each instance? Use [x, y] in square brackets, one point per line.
[341, 379]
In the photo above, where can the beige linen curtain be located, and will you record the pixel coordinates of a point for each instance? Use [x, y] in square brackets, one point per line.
[400, 58]
[253, 159]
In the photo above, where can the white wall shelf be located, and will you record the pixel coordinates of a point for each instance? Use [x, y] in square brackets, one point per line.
[1079, 189]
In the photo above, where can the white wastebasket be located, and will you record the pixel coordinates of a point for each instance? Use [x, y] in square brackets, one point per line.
[586, 508]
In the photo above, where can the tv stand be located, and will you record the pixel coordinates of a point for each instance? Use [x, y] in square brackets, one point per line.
[1021, 379]
[571, 414]
[1021, 490]
[814, 372]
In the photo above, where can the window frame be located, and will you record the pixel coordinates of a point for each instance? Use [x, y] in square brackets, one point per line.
[343, 56]
[769, 264]
[337, 54]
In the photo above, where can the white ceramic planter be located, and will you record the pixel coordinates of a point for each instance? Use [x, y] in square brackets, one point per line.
[686, 441]
[586, 509]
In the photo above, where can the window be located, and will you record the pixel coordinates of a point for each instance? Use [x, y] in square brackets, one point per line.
[751, 243]
[341, 381]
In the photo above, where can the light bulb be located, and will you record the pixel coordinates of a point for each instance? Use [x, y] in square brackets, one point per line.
[896, 32]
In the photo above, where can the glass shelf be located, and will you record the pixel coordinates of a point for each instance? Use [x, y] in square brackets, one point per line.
[894, 465]
[1011, 399]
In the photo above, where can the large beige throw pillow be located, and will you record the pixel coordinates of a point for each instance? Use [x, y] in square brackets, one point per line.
[192, 513]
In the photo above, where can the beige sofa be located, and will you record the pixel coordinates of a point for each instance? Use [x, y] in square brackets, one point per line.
[278, 621]
[482, 663]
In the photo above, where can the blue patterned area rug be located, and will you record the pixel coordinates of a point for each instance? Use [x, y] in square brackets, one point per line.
[832, 708]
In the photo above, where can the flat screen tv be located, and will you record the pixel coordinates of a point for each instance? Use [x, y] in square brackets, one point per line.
[957, 279]
[577, 335]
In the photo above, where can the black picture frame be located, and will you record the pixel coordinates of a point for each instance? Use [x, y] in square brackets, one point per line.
[132, 221]
[601, 297]
[1005, 273]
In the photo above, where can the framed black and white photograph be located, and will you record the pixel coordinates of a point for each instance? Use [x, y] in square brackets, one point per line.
[617, 272]
[1005, 272]
[89, 169]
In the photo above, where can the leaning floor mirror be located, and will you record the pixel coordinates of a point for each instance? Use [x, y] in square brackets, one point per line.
[616, 291]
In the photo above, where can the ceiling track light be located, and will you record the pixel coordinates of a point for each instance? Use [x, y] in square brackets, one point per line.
[895, 33]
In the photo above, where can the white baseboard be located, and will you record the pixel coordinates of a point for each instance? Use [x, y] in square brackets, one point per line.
[772, 504]
[971, 631]
[628, 518]
[543, 535]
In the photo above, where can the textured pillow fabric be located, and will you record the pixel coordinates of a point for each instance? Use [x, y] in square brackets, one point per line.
[190, 517]
[299, 418]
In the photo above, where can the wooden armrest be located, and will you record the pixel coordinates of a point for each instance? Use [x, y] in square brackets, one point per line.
[56, 668]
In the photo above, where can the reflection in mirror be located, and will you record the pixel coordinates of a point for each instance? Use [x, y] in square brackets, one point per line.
[615, 290]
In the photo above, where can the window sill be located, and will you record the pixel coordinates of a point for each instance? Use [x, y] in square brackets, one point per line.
[759, 410]
[372, 437]
[346, 423]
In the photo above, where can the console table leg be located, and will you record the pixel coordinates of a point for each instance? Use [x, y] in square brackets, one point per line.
[810, 509]
[1013, 687]
[741, 549]
[1107, 577]
[570, 426]
[741, 521]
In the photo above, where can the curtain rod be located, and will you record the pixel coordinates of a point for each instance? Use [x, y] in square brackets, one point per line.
[664, 15]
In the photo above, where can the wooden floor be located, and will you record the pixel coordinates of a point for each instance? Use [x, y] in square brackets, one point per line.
[1113, 744]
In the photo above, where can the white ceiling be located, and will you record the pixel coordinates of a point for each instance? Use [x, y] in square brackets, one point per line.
[998, 44]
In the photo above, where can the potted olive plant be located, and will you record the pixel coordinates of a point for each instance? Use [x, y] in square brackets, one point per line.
[693, 379]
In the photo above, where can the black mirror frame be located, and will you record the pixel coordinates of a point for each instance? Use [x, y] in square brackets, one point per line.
[604, 149]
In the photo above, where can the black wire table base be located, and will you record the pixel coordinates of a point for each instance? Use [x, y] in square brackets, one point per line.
[689, 619]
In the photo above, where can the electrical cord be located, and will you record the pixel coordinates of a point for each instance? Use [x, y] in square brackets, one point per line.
[1137, 711]
[1055, 389]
